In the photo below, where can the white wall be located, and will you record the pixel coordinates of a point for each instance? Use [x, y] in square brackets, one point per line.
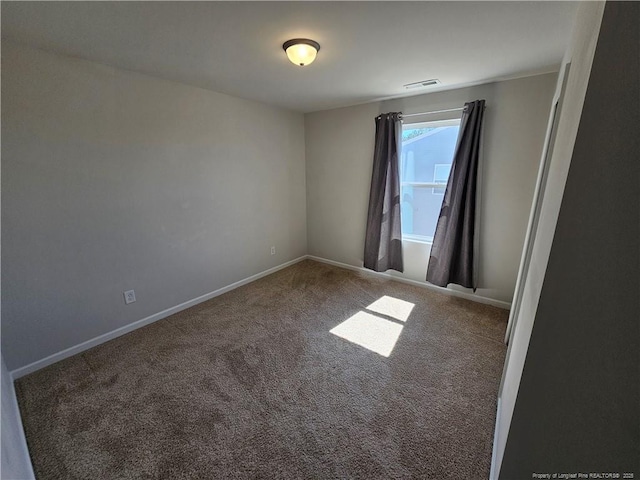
[580, 55]
[14, 456]
[16, 463]
[579, 390]
[339, 152]
[114, 180]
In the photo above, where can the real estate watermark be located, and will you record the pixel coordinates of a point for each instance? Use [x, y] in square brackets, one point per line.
[585, 475]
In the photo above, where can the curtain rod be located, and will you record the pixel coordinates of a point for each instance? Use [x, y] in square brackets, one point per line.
[433, 112]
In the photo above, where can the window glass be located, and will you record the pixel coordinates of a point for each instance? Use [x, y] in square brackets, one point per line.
[425, 165]
[440, 176]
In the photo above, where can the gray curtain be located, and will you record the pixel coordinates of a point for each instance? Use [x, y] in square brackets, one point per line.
[454, 250]
[383, 241]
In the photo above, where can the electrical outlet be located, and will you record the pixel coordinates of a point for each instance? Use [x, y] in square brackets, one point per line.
[273, 250]
[129, 297]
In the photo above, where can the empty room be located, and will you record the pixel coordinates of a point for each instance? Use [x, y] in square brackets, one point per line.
[320, 240]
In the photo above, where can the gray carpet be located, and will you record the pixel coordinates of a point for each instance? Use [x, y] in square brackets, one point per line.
[252, 384]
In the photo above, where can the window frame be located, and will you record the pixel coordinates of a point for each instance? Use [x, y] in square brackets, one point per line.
[433, 185]
[442, 184]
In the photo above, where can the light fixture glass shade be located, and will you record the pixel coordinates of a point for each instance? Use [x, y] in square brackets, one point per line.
[301, 51]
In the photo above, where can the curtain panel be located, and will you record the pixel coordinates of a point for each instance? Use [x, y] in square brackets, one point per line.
[454, 254]
[383, 240]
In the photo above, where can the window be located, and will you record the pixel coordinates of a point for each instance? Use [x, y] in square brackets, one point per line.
[440, 176]
[425, 165]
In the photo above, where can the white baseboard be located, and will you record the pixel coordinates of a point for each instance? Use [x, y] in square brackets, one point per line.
[68, 352]
[446, 291]
[493, 474]
[20, 443]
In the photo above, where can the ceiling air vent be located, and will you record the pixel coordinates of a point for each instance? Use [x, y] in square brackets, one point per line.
[423, 83]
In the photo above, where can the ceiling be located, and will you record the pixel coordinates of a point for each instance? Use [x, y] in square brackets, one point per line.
[369, 50]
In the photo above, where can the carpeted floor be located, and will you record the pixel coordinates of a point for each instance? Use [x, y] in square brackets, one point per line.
[252, 384]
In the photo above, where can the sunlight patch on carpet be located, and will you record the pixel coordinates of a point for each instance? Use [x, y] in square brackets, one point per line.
[371, 332]
[392, 307]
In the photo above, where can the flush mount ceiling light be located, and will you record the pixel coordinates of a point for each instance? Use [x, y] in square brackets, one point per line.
[301, 51]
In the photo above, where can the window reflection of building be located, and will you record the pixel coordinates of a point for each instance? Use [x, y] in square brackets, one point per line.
[425, 164]
[406, 206]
